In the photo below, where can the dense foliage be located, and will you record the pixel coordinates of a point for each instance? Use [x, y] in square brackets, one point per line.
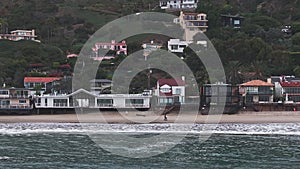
[64, 25]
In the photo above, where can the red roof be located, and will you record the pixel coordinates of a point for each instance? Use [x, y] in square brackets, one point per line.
[257, 83]
[290, 84]
[41, 79]
[171, 82]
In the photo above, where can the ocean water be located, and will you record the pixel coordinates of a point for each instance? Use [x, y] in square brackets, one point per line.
[40, 145]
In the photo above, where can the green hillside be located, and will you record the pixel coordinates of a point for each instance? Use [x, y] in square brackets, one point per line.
[65, 25]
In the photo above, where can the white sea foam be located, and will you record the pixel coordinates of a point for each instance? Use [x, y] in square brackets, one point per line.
[238, 129]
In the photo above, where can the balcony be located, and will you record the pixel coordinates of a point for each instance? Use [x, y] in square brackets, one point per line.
[259, 92]
[15, 96]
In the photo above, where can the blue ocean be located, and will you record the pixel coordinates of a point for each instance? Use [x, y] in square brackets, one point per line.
[39, 145]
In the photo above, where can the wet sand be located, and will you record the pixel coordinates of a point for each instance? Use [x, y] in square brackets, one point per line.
[150, 117]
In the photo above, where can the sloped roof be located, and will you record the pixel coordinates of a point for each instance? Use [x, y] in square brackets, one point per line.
[82, 91]
[40, 79]
[290, 84]
[257, 83]
[171, 82]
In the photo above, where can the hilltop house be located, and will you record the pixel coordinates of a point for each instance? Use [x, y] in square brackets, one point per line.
[178, 4]
[150, 47]
[118, 48]
[256, 91]
[20, 35]
[170, 91]
[234, 21]
[192, 23]
[99, 85]
[177, 46]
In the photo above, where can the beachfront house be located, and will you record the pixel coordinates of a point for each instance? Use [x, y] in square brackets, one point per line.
[178, 4]
[257, 91]
[170, 91]
[219, 93]
[290, 91]
[15, 98]
[85, 99]
[17, 35]
[39, 85]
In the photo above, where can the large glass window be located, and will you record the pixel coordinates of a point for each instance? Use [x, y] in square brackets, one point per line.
[22, 101]
[264, 98]
[178, 91]
[105, 102]
[60, 102]
[4, 92]
[174, 47]
[134, 101]
[166, 100]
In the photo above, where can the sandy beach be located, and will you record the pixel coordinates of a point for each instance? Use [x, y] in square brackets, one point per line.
[148, 117]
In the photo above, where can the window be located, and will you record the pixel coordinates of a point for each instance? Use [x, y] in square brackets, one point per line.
[60, 102]
[252, 90]
[236, 22]
[105, 102]
[5, 102]
[165, 90]
[174, 47]
[264, 98]
[178, 91]
[134, 101]
[22, 101]
[166, 100]
[4, 92]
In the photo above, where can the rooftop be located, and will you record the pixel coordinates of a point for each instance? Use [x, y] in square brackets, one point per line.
[257, 83]
[171, 82]
[290, 84]
[40, 79]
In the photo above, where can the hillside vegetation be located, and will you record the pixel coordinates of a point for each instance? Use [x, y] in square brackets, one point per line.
[65, 25]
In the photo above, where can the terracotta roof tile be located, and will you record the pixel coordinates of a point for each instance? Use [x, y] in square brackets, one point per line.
[171, 82]
[257, 83]
[41, 79]
[290, 84]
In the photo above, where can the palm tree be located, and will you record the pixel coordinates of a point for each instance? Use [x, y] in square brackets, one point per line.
[233, 70]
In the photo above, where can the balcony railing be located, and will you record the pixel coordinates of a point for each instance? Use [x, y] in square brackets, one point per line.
[105, 105]
[18, 96]
[260, 93]
[18, 106]
[136, 105]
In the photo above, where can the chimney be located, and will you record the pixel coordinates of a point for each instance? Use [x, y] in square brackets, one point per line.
[33, 32]
[183, 78]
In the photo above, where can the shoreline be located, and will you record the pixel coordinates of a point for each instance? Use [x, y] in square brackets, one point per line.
[150, 118]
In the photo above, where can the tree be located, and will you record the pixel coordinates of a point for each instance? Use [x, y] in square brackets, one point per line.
[3, 25]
